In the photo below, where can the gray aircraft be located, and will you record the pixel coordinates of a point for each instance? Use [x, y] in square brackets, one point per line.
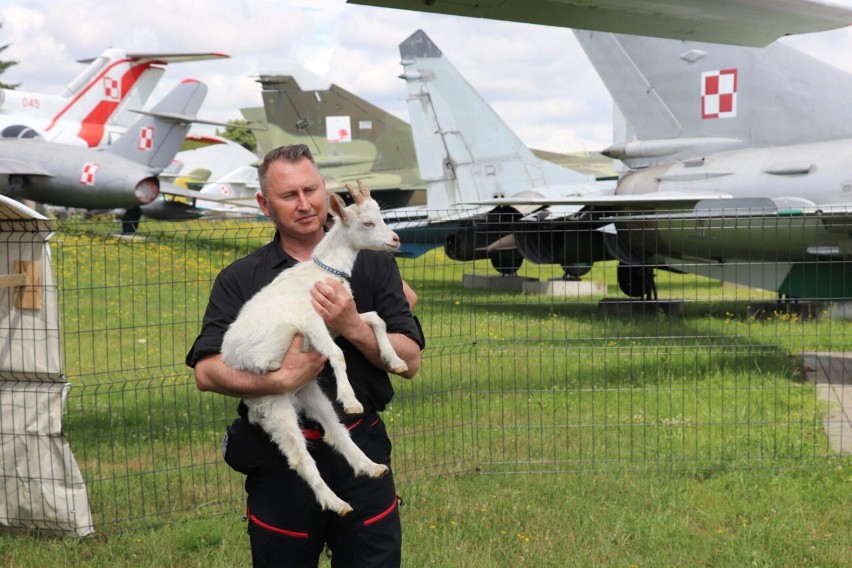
[749, 146]
[738, 170]
[122, 175]
[739, 22]
[472, 162]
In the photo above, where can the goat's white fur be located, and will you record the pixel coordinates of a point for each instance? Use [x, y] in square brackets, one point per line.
[260, 336]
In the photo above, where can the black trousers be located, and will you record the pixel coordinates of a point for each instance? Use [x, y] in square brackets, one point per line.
[286, 526]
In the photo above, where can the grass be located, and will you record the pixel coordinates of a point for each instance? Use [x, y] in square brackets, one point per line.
[793, 515]
[539, 432]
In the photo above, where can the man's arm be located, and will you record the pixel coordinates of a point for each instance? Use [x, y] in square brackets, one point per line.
[297, 369]
[337, 308]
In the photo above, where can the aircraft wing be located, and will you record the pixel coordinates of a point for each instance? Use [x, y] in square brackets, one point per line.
[589, 163]
[169, 57]
[741, 22]
[656, 199]
[175, 191]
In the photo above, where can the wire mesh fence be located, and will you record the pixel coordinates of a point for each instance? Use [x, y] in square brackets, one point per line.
[530, 367]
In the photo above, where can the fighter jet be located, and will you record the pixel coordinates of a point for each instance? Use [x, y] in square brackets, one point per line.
[349, 137]
[472, 162]
[739, 169]
[92, 109]
[739, 22]
[122, 175]
[751, 146]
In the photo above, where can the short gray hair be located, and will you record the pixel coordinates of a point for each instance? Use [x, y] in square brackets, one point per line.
[291, 153]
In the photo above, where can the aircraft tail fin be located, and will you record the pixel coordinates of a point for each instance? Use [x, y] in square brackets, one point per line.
[465, 150]
[712, 97]
[114, 82]
[346, 134]
[155, 138]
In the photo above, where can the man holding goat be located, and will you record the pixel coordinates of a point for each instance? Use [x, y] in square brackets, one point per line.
[287, 527]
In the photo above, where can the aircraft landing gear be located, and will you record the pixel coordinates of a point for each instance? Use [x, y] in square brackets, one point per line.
[507, 262]
[637, 281]
[574, 272]
[130, 220]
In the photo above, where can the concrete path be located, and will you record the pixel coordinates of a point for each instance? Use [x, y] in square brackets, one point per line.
[831, 372]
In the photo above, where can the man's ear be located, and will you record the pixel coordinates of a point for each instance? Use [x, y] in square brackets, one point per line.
[261, 202]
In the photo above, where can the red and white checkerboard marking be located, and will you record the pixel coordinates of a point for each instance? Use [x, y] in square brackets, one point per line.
[146, 138]
[87, 175]
[719, 94]
[112, 89]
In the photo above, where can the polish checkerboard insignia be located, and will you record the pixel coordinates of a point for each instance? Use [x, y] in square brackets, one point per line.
[146, 138]
[719, 94]
[87, 175]
[112, 89]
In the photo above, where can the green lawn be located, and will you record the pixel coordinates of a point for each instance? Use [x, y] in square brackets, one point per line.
[540, 431]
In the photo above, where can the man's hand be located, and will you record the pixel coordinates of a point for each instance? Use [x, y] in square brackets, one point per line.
[336, 306]
[298, 367]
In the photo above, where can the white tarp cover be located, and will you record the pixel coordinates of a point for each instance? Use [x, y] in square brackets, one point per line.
[41, 487]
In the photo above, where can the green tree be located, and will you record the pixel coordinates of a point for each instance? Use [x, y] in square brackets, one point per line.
[236, 131]
[4, 65]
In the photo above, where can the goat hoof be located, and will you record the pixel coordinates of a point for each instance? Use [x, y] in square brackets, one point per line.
[356, 409]
[344, 510]
[380, 472]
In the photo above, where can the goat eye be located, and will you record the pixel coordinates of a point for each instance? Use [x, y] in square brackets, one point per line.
[369, 224]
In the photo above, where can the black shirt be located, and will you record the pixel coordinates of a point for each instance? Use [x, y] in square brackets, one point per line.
[376, 286]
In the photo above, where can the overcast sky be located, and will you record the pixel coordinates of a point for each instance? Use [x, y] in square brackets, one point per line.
[536, 77]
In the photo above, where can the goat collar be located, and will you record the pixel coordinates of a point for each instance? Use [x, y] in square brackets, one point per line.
[336, 272]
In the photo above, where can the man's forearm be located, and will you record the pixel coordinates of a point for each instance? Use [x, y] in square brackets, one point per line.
[297, 369]
[213, 375]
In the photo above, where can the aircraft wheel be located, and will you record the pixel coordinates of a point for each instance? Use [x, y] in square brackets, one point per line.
[637, 281]
[506, 262]
[575, 271]
[130, 220]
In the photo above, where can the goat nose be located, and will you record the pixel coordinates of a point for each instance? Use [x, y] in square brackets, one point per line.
[395, 239]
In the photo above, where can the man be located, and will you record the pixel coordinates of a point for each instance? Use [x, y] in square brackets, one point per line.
[286, 525]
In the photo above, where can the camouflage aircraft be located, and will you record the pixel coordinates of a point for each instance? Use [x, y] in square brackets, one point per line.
[349, 137]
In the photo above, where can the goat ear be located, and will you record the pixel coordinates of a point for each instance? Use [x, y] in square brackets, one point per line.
[338, 207]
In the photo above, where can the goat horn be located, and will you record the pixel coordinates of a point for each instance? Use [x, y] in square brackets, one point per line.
[359, 195]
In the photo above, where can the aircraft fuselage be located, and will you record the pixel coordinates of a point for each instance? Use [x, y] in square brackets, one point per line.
[76, 177]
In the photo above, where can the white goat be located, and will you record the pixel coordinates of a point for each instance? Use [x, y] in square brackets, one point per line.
[262, 333]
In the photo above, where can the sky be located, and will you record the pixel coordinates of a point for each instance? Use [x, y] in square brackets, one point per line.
[535, 77]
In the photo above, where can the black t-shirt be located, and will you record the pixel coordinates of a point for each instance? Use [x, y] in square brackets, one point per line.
[376, 286]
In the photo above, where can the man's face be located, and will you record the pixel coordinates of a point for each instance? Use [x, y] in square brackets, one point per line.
[295, 198]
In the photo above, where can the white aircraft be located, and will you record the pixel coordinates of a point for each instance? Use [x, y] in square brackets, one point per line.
[740, 22]
[93, 109]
